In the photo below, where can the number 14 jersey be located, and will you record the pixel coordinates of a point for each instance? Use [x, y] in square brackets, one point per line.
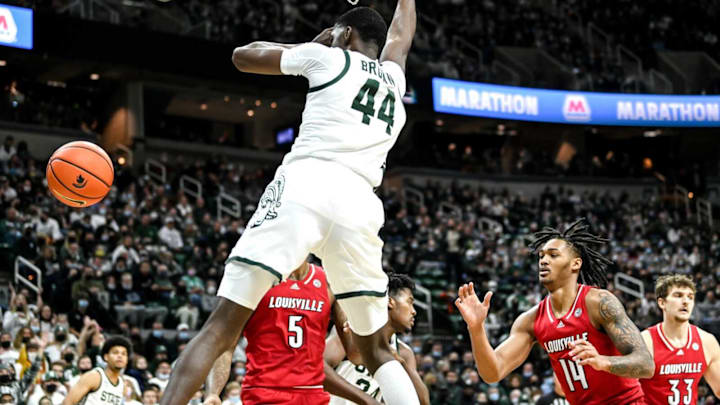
[583, 385]
[286, 334]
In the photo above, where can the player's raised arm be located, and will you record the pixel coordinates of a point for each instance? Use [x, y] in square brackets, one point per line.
[494, 364]
[263, 57]
[712, 350]
[609, 313]
[400, 34]
[89, 381]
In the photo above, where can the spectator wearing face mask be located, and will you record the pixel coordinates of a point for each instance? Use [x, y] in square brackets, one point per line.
[8, 354]
[84, 364]
[130, 395]
[6, 396]
[162, 375]
[18, 388]
[51, 386]
[232, 394]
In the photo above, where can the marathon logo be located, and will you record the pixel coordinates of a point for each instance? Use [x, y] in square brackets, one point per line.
[682, 368]
[491, 101]
[8, 28]
[302, 304]
[560, 345]
[653, 111]
[576, 108]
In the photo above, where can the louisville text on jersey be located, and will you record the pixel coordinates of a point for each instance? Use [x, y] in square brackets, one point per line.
[682, 368]
[559, 345]
[303, 304]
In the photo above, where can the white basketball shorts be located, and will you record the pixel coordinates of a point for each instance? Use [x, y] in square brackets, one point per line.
[319, 207]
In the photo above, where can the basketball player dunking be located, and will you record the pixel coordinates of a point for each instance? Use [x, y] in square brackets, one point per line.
[595, 350]
[683, 353]
[321, 200]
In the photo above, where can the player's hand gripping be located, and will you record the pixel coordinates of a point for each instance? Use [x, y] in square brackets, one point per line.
[212, 399]
[584, 353]
[472, 310]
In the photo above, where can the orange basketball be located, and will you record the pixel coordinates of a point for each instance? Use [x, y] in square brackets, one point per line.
[79, 174]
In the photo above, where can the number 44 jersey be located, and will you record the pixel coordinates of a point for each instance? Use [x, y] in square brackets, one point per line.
[286, 334]
[353, 110]
[582, 385]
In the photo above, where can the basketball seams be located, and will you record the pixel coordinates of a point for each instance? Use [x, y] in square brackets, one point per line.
[57, 178]
[81, 168]
[104, 157]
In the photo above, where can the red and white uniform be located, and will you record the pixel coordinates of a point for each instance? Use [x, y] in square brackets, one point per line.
[678, 370]
[286, 340]
[582, 385]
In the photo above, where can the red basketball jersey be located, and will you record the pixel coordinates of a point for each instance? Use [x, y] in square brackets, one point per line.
[678, 370]
[286, 334]
[583, 385]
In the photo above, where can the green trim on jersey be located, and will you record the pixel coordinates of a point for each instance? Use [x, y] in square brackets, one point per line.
[256, 264]
[336, 79]
[360, 294]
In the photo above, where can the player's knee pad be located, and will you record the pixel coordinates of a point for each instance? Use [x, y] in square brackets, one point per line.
[366, 314]
[245, 284]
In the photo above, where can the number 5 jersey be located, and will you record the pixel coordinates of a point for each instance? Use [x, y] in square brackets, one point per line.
[583, 385]
[286, 335]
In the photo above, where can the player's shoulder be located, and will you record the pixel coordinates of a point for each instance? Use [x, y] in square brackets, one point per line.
[708, 340]
[600, 297]
[526, 320]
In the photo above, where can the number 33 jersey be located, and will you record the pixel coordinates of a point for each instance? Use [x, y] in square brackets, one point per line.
[678, 370]
[286, 334]
[353, 110]
[583, 385]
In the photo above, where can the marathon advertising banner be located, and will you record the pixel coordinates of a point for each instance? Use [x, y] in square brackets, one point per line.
[571, 107]
[16, 27]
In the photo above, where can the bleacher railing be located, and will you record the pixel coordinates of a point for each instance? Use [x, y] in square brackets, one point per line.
[704, 212]
[413, 196]
[34, 285]
[229, 205]
[156, 171]
[424, 304]
[186, 181]
[625, 283]
[680, 195]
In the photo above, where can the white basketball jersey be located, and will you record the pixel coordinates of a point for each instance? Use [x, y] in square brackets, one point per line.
[353, 111]
[107, 392]
[360, 377]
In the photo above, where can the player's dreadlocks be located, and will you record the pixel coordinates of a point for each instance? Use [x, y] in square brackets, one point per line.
[580, 240]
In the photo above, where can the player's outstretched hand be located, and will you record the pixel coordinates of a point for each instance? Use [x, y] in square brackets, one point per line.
[472, 310]
[212, 399]
[325, 37]
[584, 353]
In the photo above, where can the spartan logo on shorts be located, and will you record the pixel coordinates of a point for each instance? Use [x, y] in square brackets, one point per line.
[269, 202]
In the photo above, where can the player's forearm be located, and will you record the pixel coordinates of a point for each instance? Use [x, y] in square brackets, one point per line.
[487, 362]
[338, 386]
[219, 374]
[633, 365]
[404, 20]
